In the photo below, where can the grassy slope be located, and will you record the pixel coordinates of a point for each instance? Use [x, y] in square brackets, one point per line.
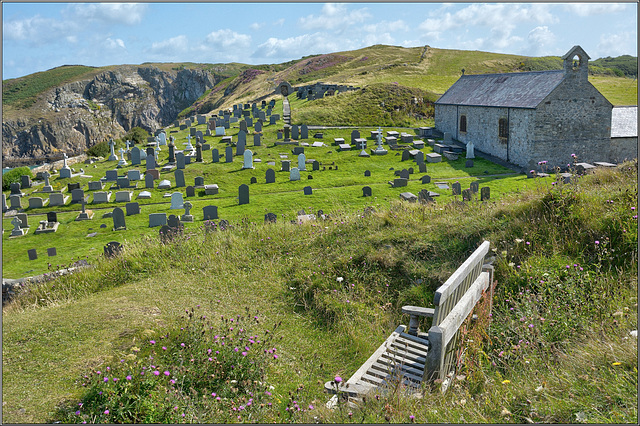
[61, 329]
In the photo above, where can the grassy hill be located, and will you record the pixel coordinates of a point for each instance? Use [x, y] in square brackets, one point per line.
[557, 349]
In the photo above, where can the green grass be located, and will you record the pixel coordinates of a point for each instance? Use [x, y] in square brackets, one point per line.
[577, 365]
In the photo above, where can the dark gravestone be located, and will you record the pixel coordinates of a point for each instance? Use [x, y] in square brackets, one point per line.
[468, 164]
[25, 181]
[103, 225]
[424, 197]
[366, 191]
[419, 158]
[111, 175]
[410, 170]
[52, 217]
[228, 154]
[123, 182]
[151, 160]
[77, 195]
[307, 190]
[32, 254]
[270, 176]
[422, 168]
[309, 177]
[405, 155]
[148, 180]
[367, 173]
[456, 189]
[15, 188]
[485, 193]
[132, 208]
[198, 181]
[474, 187]
[253, 180]
[243, 194]
[210, 212]
[135, 156]
[215, 155]
[173, 221]
[354, 135]
[118, 219]
[294, 132]
[180, 160]
[179, 175]
[466, 194]
[112, 249]
[191, 192]
[242, 140]
[304, 132]
[270, 218]
[51, 251]
[72, 185]
[256, 140]
[154, 173]
[172, 152]
[315, 166]
[404, 174]
[425, 179]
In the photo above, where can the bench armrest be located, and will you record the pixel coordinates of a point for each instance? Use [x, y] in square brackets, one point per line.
[415, 312]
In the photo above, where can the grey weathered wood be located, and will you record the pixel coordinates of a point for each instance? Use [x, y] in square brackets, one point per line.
[446, 289]
[415, 312]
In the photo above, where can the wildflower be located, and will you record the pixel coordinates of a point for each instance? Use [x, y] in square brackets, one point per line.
[166, 373]
[337, 379]
[597, 242]
[616, 363]
[78, 413]
[244, 353]
[106, 411]
[339, 279]
[506, 382]
[213, 394]
[156, 373]
[275, 357]
[106, 379]
[115, 379]
[182, 344]
[310, 407]
[164, 348]
[412, 418]
[153, 342]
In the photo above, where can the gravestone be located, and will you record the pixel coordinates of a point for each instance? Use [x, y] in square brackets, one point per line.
[298, 150]
[254, 179]
[474, 186]
[211, 189]
[404, 174]
[151, 161]
[366, 191]
[247, 159]
[4, 203]
[52, 217]
[157, 219]
[55, 199]
[422, 168]
[286, 165]
[468, 164]
[270, 176]
[256, 140]
[123, 196]
[47, 187]
[425, 179]
[295, 132]
[198, 181]
[187, 216]
[32, 254]
[210, 212]
[191, 191]
[179, 175]
[294, 174]
[36, 202]
[485, 193]
[270, 218]
[215, 155]
[258, 126]
[355, 134]
[134, 175]
[315, 166]
[279, 134]
[228, 154]
[51, 251]
[25, 181]
[118, 219]
[123, 182]
[466, 195]
[405, 155]
[198, 152]
[172, 151]
[446, 140]
[112, 249]
[424, 197]
[148, 181]
[73, 185]
[242, 140]
[132, 209]
[367, 173]
[307, 190]
[180, 161]
[301, 163]
[410, 170]
[177, 202]
[111, 175]
[399, 182]
[419, 157]
[243, 194]
[77, 195]
[15, 188]
[456, 189]
[173, 221]
[304, 132]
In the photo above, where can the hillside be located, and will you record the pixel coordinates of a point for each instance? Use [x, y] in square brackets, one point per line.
[71, 108]
[558, 348]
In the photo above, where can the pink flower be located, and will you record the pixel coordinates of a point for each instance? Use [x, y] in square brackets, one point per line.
[153, 342]
[106, 411]
[166, 373]
[337, 379]
[597, 242]
[128, 377]
[156, 373]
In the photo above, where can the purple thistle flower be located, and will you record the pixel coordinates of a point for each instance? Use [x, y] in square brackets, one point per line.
[337, 379]
[128, 377]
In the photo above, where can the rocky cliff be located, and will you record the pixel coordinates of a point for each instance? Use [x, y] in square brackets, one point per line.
[75, 116]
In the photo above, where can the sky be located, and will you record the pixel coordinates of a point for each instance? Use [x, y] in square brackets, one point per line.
[45, 35]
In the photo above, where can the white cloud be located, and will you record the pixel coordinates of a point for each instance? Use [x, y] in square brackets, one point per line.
[617, 44]
[171, 47]
[110, 43]
[590, 9]
[36, 29]
[398, 25]
[499, 19]
[378, 38]
[122, 13]
[256, 26]
[296, 47]
[279, 22]
[334, 17]
[227, 39]
[541, 41]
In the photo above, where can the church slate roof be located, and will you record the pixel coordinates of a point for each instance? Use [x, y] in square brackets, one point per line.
[514, 90]
[624, 122]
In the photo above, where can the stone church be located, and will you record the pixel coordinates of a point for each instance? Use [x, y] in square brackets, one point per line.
[527, 117]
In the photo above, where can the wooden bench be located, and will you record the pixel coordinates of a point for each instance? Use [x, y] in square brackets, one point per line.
[410, 357]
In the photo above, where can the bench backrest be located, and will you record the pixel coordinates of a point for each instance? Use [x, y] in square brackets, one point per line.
[453, 301]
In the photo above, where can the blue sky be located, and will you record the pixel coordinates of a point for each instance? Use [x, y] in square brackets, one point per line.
[41, 36]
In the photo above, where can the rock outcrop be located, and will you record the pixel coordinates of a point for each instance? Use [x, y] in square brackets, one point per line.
[77, 115]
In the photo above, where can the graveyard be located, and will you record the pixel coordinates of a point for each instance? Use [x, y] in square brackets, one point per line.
[335, 177]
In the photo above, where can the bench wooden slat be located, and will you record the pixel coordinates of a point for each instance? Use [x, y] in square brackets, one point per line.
[416, 371]
[412, 344]
[410, 357]
[443, 292]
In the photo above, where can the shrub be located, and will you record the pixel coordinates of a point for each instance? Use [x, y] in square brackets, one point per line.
[101, 149]
[136, 134]
[13, 176]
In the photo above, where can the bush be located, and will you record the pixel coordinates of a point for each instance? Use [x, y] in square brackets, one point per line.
[101, 149]
[14, 176]
[137, 135]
